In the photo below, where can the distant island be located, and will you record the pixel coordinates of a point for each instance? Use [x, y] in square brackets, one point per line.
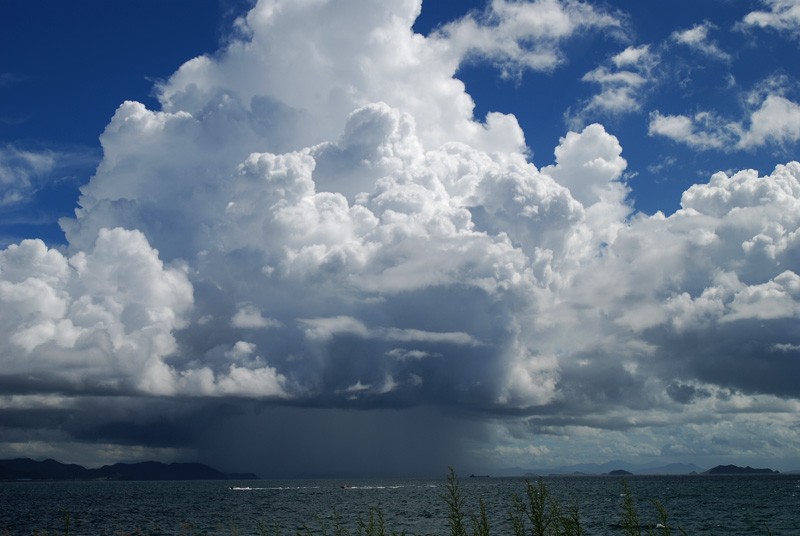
[27, 469]
[619, 468]
[619, 472]
[736, 470]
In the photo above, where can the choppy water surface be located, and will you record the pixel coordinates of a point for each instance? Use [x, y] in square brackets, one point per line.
[701, 505]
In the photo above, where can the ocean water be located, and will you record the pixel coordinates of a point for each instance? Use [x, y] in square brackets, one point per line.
[700, 505]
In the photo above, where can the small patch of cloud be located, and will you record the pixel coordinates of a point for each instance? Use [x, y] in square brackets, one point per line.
[248, 316]
[633, 56]
[241, 350]
[325, 329]
[401, 354]
[354, 391]
[524, 35]
[664, 163]
[772, 118]
[418, 335]
[776, 121]
[357, 387]
[697, 39]
[25, 171]
[623, 81]
[703, 130]
[781, 15]
[618, 89]
[778, 84]
[786, 347]
[19, 171]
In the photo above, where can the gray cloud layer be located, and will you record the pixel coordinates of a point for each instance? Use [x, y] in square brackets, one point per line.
[313, 246]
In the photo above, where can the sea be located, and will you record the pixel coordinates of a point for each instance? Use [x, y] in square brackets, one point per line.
[698, 505]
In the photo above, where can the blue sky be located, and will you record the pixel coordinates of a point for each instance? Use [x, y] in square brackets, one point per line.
[67, 67]
[561, 231]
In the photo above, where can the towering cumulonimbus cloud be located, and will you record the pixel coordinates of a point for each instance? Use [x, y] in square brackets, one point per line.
[315, 218]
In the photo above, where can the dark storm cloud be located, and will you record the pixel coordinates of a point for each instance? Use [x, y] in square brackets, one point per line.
[739, 355]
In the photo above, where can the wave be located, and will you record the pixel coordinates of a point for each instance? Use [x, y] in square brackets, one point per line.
[384, 486]
[278, 488]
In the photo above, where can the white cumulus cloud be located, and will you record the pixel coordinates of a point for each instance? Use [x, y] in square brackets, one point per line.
[317, 216]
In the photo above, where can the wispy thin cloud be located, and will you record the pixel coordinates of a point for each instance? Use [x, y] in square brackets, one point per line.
[624, 81]
[524, 35]
[697, 38]
[780, 15]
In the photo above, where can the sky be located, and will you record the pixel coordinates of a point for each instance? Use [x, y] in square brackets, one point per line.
[326, 237]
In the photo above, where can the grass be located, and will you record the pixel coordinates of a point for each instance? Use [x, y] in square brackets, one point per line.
[536, 513]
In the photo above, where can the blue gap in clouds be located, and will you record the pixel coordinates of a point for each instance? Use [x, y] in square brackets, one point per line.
[78, 61]
[659, 169]
[69, 65]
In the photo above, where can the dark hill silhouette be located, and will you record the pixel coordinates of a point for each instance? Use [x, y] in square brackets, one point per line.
[619, 472]
[736, 470]
[160, 471]
[27, 469]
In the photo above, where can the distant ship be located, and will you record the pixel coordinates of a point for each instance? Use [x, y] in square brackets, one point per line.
[479, 476]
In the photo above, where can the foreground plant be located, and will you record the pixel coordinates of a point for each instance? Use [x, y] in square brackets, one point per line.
[455, 505]
[480, 523]
[630, 518]
[541, 514]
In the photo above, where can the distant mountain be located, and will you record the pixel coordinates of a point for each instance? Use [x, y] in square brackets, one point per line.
[160, 471]
[27, 469]
[736, 470]
[604, 469]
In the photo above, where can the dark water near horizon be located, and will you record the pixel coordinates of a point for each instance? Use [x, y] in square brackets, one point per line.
[701, 505]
